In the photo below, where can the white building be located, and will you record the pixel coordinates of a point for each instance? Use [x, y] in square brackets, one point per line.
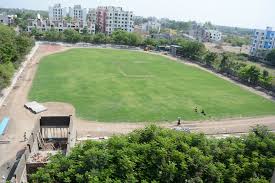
[151, 26]
[203, 34]
[91, 15]
[57, 13]
[212, 36]
[262, 42]
[78, 14]
[112, 18]
[46, 25]
[7, 19]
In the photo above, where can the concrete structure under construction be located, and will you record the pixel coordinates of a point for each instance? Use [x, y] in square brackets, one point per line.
[44, 25]
[203, 34]
[212, 36]
[51, 135]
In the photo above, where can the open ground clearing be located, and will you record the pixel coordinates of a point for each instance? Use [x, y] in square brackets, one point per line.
[109, 85]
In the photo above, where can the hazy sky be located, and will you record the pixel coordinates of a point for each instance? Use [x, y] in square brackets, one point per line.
[243, 13]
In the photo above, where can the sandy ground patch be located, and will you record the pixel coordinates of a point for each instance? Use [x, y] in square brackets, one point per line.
[219, 48]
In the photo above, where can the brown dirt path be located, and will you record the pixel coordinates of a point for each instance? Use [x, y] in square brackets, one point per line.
[21, 120]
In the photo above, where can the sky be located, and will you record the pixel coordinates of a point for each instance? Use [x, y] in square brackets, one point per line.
[237, 13]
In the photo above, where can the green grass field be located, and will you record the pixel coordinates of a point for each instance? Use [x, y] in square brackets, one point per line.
[126, 86]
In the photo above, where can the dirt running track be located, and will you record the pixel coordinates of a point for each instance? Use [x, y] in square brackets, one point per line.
[23, 121]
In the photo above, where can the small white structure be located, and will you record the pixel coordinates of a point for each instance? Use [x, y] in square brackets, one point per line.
[149, 26]
[35, 107]
[212, 36]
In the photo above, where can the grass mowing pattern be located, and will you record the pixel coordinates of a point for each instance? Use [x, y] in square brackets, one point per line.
[125, 86]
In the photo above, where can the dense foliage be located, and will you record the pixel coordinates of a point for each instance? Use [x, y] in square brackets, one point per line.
[156, 155]
[177, 25]
[237, 40]
[191, 49]
[270, 57]
[237, 31]
[13, 48]
[72, 36]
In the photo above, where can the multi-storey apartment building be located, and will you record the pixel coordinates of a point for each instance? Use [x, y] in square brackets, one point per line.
[212, 36]
[44, 25]
[7, 19]
[151, 26]
[57, 13]
[91, 15]
[78, 14]
[201, 33]
[112, 18]
[107, 19]
[262, 42]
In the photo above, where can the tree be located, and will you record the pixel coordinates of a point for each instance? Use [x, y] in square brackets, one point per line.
[24, 43]
[210, 58]
[265, 80]
[162, 155]
[99, 38]
[68, 19]
[6, 73]
[250, 74]
[8, 52]
[120, 37]
[192, 49]
[13, 48]
[150, 42]
[53, 35]
[270, 57]
[209, 25]
[71, 36]
[36, 33]
[87, 38]
[224, 65]
[134, 39]
[126, 38]
[237, 40]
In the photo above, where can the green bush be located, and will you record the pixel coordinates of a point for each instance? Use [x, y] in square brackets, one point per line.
[270, 57]
[161, 155]
[13, 48]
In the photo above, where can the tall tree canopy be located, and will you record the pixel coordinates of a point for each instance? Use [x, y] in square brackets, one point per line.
[13, 48]
[270, 57]
[156, 155]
